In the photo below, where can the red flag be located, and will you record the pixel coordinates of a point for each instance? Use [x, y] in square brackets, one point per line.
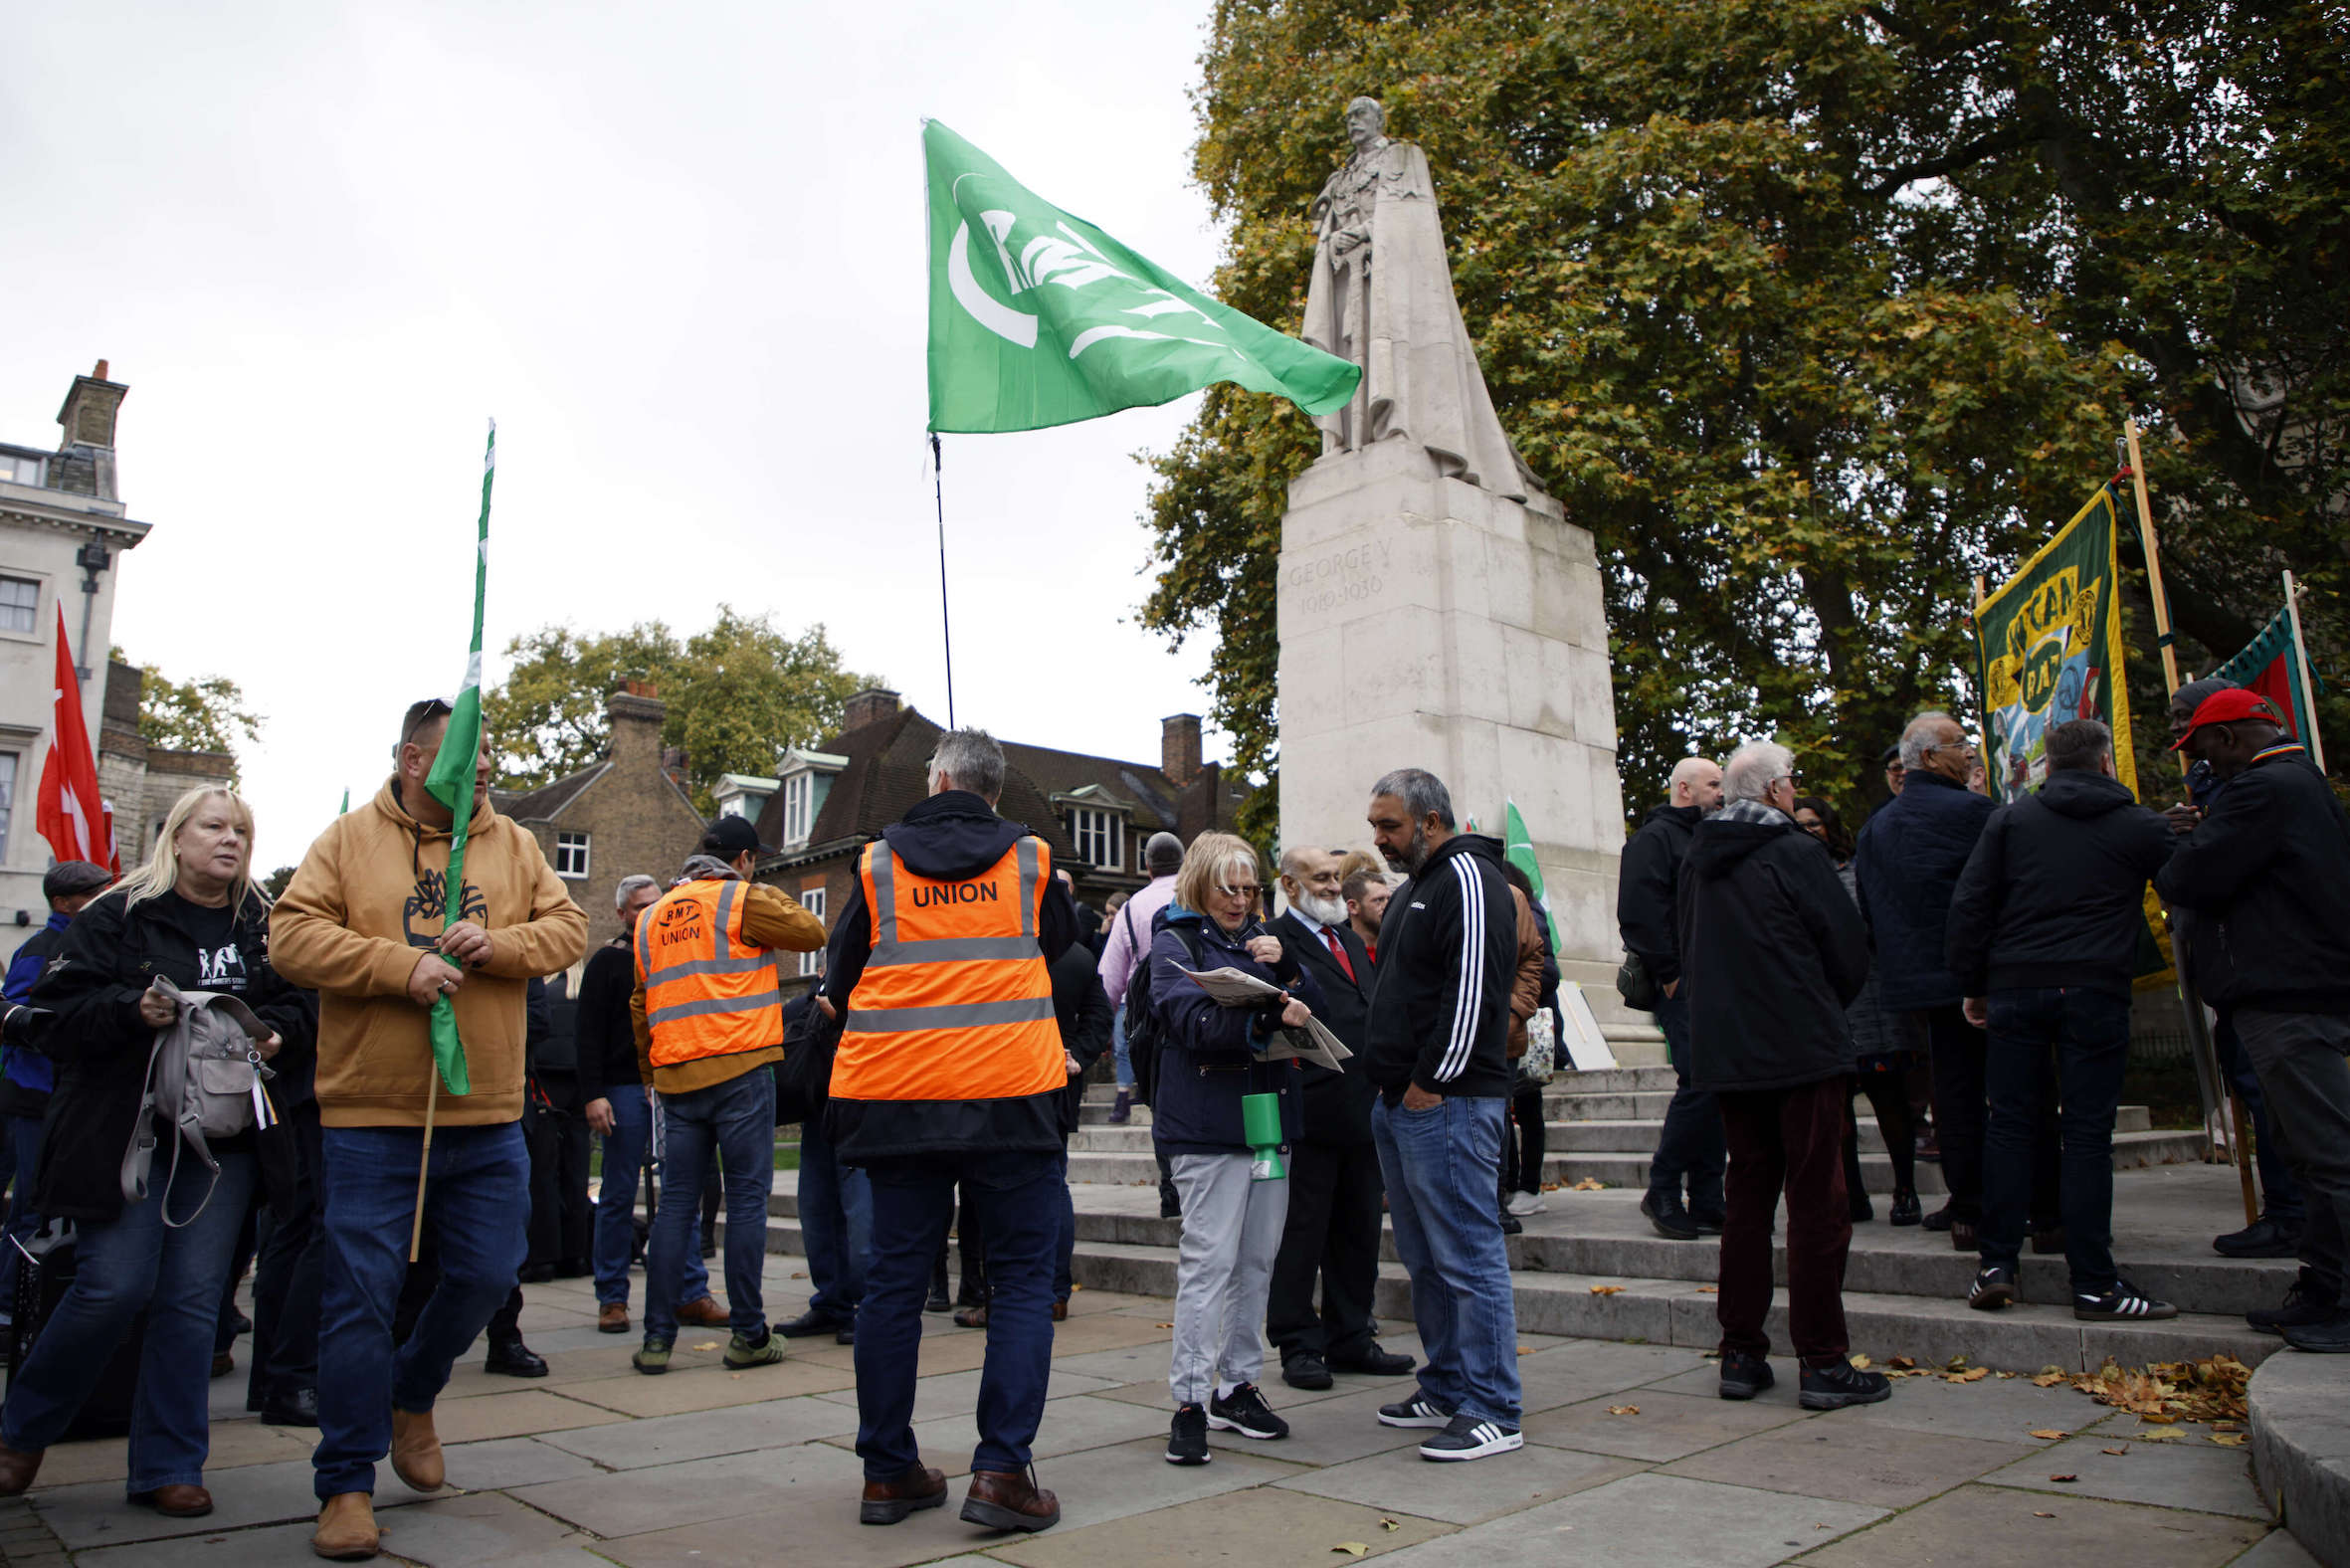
[71, 815]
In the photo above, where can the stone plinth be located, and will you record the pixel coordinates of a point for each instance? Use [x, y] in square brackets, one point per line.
[1428, 623]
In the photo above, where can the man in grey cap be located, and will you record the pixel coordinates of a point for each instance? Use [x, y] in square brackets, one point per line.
[27, 1076]
[1128, 940]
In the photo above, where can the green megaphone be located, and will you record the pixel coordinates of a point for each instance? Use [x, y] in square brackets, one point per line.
[1261, 1124]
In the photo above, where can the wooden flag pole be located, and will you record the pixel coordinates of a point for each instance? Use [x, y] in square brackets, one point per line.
[2162, 607]
[2293, 612]
[432, 1101]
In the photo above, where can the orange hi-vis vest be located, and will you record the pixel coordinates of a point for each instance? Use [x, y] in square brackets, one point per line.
[955, 1002]
[708, 992]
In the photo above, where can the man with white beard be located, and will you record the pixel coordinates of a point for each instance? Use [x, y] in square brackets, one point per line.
[1336, 1190]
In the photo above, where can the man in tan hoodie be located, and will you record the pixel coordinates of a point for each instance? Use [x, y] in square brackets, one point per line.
[367, 923]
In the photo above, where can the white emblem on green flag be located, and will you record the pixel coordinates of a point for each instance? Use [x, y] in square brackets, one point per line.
[450, 782]
[1037, 318]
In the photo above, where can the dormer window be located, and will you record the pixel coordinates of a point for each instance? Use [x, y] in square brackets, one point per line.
[1098, 837]
[799, 796]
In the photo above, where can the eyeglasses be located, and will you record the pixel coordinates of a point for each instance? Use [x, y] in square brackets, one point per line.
[1966, 746]
[423, 712]
[1245, 891]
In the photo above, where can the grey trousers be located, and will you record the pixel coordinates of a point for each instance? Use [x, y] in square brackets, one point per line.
[2305, 1077]
[1231, 1230]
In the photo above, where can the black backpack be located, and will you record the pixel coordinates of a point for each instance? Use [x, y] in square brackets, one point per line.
[1144, 1029]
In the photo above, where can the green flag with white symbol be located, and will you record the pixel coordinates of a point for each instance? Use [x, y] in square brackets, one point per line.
[1037, 318]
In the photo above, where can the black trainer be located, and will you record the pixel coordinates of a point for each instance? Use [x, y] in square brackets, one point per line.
[1244, 1411]
[1839, 1383]
[1417, 1411]
[2305, 1302]
[2264, 1237]
[2121, 1301]
[1187, 1437]
[2327, 1336]
[1307, 1371]
[1745, 1376]
[1709, 1221]
[1667, 1217]
[1467, 1438]
[1993, 1288]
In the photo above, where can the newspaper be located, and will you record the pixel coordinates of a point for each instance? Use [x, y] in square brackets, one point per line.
[1314, 1043]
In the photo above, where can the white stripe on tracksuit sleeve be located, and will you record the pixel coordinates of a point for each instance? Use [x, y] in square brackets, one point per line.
[1469, 1001]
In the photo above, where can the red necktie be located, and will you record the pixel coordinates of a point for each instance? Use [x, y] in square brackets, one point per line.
[1337, 951]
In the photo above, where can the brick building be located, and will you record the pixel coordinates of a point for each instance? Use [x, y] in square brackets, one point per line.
[140, 781]
[625, 813]
[1097, 813]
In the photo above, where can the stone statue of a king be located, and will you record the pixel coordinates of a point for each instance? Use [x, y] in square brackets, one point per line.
[1382, 295]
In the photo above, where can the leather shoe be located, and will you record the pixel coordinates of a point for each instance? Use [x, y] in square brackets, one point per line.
[809, 1324]
[705, 1314]
[1707, 1221]
[1377, 1361]
[1963, 1237]
[416, 1451]
[1307, 1371]
[1007, 1501]
[1667, 1217]
[887, 1501]
[1060, 1311]
[970, 1318]
[17, 1469]
[2264, 1237]
[175, 1502]
[514, 1359]
[291, 1407]
[346, 1529]
[611, 1319]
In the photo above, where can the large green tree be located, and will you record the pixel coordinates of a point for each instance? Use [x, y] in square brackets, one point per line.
[738, 694]
[1813, 311]
[206, 713]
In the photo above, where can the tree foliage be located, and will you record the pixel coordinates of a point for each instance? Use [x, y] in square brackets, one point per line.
[1812, 311]
[738, 695]
[207, 713]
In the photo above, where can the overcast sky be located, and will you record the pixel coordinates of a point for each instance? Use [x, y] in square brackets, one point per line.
[675, 250]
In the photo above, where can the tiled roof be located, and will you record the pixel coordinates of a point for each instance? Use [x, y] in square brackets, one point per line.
[542, 803]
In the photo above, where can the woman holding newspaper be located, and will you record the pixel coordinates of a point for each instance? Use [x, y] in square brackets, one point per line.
[1215, 1085]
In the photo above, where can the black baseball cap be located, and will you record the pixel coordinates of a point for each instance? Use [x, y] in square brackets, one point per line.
[68, 879]
[1891, 755]
[732, 836]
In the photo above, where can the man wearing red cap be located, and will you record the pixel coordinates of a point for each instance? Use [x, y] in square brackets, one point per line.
[2268, 869]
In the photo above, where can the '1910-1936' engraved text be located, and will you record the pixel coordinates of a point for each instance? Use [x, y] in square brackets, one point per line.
[1340, 578]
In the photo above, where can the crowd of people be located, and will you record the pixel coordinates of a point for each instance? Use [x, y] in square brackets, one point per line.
[1963, 966]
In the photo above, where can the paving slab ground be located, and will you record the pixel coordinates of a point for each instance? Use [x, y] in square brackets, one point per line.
[1630, 1459]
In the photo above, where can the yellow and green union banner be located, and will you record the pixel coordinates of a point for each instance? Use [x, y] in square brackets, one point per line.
[2051, 649]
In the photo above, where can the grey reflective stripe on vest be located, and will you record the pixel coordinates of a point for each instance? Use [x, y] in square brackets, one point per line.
[708, 966]
[881, 861]
[956, 949]
[961, 1015]
[712, 1004]
[727, 891]
[1026, 851]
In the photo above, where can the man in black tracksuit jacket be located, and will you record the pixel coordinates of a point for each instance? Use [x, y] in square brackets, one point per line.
[2267, 870]
[1437, 1047]
[2044, 933]
[1690, 1144]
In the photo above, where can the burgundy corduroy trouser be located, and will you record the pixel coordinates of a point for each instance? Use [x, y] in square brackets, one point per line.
[1791, 1140]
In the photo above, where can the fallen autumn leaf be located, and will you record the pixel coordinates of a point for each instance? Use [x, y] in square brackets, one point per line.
[1623, 1410]
[1607, 1289]
[2050, 1433]
[1351, 1548]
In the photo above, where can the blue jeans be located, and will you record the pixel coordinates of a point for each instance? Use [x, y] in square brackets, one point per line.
[132, 1262]
[1443, 1167]
[476, 1217]
[836, 1224]
[626, 1148]
[1692, 1143]
[736, 1118]
[2090, 1032]
[1009, 1195]
[1118, 1046]
[23, 1142]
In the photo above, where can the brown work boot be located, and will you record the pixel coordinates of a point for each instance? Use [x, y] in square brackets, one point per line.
[415, 1450]
[177, 1501]
[1009, 1501]
[709, 1312]
[613, 1319]
[17, 1468]
[887, 1501]
[346, 1529]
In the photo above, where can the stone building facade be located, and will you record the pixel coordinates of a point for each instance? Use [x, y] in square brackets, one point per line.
[63, 531]
[624, 814]
[824, 804]
[141, 781]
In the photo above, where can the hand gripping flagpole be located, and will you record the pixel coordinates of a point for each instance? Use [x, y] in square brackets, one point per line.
[452, 783]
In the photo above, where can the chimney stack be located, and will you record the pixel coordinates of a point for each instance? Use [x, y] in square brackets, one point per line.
[636, 712]
[869, 707]
[87, 413]
[1179, 749]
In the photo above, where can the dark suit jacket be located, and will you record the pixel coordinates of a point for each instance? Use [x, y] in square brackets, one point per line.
[1337, 1104]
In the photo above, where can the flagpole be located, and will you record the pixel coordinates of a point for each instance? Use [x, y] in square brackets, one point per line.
[2162, 608]
[2292, 611]
[946, 628]
[432, 1098]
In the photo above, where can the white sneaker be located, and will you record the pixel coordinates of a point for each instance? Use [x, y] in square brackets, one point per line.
[1522, 1204]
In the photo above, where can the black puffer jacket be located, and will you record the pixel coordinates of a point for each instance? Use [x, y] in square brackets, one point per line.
[2268, 872]
[1649, 888]
[111, 954]
[2055, 894]
[1773, 950]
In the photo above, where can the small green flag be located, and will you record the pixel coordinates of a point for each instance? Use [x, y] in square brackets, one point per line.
[347, 802]
[450, 782]
[1037, 318]
[1517, 847]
